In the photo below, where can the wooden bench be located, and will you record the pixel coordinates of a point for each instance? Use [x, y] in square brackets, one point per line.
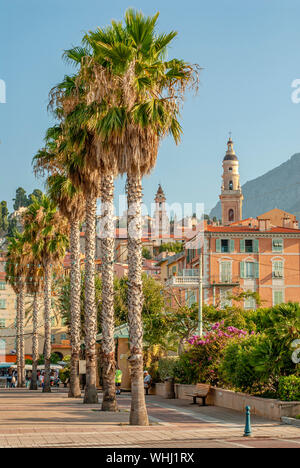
[201, 391]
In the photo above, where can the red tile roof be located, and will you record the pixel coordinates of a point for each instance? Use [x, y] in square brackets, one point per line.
[233, 229]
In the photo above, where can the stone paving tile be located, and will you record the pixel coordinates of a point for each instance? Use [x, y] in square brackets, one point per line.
[53, 420]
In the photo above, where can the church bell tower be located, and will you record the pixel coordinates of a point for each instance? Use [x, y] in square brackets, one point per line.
[231, 194]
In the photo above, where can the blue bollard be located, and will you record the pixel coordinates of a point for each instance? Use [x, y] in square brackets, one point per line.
[248, 432]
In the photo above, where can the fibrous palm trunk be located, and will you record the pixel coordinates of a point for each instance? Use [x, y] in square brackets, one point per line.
[18, 348]
[21, 376]
[138, 413]
[90, 324]
[35, 341]
[109, 402]
[75, 291]
[47, 324]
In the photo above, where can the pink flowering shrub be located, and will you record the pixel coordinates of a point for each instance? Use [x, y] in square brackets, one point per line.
[201, 360]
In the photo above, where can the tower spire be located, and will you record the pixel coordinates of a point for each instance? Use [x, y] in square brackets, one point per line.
[231, 192]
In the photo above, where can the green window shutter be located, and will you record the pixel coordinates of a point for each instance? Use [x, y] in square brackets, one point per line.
[242, 269]
[218, 245]
[256, 245]
[242, 245]
[278, 297]
[256, 269]
[231, 246]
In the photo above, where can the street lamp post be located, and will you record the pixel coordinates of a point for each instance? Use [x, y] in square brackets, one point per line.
[200, 308]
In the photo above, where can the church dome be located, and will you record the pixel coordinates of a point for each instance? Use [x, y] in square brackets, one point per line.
[230, 153]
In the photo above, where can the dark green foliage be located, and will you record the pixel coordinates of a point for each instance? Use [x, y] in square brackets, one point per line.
[175, 247]
[289, 388]
[21, 199]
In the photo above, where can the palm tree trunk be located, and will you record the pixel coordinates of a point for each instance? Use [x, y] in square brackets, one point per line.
[75, 292]
[22, 344]
[47, 324]
[35, 341]
[109, 402]
[138, 414]
[90, 323]
[18, 347]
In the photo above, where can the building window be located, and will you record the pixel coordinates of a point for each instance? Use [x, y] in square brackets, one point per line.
[231, 185]
[277, 269]
[63, 337]
[249, 270]
[277, 297]
[249, 245]
[225, 272]
[52, 339]
[2, 286]
[190, 298]
[225, 245]
[277, 245]
[2, 323]
[2, 304]
[224, 298]
[231, 215]
[250, 303]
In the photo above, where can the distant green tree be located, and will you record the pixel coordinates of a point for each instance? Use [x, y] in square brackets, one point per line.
[36, 194]
[21, 199]
[176, 247]
[4, 217]
[146, 253]
[12, 226]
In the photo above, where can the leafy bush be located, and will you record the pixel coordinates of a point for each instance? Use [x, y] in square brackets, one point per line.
[240, 365]
[289, 388]
[166, 367]
[200, 363]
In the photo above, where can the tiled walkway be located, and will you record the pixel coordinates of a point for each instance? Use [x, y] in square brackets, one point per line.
[32, 419]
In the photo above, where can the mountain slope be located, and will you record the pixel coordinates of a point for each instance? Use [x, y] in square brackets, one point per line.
[278, 188]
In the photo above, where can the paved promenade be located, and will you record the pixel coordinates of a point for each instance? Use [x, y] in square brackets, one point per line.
[31, 419]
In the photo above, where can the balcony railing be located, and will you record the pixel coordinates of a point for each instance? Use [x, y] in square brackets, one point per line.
[183, 281]
[225, 280]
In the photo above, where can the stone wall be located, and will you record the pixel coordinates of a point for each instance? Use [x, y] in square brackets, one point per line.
[264, 407]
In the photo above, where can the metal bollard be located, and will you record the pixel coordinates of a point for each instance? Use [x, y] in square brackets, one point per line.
[248, 432]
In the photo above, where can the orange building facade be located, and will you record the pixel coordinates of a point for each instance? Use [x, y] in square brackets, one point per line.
[241, 259]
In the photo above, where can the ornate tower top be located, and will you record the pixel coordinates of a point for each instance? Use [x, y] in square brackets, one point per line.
[230, 153]
[160, 196]
[231, 193]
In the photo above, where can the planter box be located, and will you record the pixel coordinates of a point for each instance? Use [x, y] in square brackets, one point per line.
[265, 407]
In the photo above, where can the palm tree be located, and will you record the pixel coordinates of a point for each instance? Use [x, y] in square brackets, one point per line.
[68, 147]
[16, 267]
[109, 402]
[34, 286]
[47, 231]
[71, 204]
[137, 116]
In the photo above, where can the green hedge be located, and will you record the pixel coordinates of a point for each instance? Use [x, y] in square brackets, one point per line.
[289, 388]
[166, 367]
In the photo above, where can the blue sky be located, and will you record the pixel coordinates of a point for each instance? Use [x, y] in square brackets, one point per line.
[250, 54]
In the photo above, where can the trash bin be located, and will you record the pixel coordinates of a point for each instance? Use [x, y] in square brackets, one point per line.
[170, 389]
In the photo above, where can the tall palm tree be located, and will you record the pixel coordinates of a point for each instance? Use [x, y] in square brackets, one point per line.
[34, 282]
[16, 268]
[71, 204]
[139, 114]
[47, 232]
[68, 147]
[107, 234]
